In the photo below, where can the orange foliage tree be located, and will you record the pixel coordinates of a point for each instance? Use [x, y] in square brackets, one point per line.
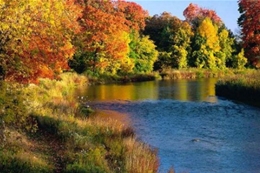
[103, 40]
[103, 43]
[133, 13]
[39, 37]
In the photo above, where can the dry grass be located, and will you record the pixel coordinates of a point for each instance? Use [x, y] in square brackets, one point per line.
[68, 141]
[140, 157]
[243, 86]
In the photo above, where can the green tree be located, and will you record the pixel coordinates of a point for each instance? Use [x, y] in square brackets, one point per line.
[172, 38]
[142, 53]
[180, 41]
[226, 48]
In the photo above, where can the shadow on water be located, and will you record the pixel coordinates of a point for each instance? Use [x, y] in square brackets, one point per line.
[193, 130]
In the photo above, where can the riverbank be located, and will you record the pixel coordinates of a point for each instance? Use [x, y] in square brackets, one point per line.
[60, 134]
[107, 79]
[244, 87]
[195, 73]
[165, 74]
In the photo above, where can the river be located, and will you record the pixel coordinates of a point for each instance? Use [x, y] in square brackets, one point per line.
[193, 130]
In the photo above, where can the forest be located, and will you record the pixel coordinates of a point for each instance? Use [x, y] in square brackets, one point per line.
[43, 39]
[43, 44]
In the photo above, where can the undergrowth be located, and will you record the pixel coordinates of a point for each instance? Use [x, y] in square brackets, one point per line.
[53, 132]
[194, 73]
[242, 86]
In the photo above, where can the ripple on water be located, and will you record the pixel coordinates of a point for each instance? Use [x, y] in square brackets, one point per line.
[197, 136]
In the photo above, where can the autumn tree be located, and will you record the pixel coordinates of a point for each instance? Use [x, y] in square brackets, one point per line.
[36, 37]
[157, 27]
[212, 44]
[207, 44]
[195, 14]
[133, 13]
[104, 44]
[250, 27]
[181, 45]
[172, 37]
[103, 40]
[225, 53]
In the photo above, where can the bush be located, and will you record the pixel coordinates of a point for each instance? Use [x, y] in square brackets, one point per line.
[13, 110]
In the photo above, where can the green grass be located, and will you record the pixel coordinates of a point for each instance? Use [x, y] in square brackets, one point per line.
[63, 137]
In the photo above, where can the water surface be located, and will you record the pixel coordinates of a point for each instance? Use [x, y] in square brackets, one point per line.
[193, 130]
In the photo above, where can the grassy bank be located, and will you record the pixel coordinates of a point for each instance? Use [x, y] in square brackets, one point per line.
[243, 86]
[194, 73]
[107, 78]
[165, 74]
[49, 129]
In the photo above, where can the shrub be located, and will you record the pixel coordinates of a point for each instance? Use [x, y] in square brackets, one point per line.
[13, 110]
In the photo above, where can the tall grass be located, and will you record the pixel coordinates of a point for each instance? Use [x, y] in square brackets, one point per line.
[69, 137]
[242, 86]
[193, 73]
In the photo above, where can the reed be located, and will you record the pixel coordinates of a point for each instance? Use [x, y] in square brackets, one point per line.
[193, 73]
[243, 86]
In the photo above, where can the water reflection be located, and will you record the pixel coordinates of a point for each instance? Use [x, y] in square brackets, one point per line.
[183, 90]
[178, 118]
[132, 91]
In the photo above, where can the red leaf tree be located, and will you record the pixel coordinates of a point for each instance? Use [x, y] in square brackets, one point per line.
[249, 21]
[194, 14]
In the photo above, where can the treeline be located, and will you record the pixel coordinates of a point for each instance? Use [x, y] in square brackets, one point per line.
[201, 40]
[42, 39]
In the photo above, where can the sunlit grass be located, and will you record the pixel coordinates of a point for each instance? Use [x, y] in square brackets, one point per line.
[85, 143]
[140, 157]
[194, 73]
[243, 86]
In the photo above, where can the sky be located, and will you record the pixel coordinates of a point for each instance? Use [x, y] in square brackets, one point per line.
[227, 10]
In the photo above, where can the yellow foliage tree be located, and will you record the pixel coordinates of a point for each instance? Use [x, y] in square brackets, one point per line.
[205, 55]
[210, 32]
[36, 37]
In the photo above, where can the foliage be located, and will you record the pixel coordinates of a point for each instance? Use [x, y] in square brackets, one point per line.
[36, 38]
[164, 60]
[195, 14]
[240, 60]
[172, 37]
[205, 55]
[104, 44]
[142, 53]
[12, 107]
[181, 45]
[250, 27]
[226, 49]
